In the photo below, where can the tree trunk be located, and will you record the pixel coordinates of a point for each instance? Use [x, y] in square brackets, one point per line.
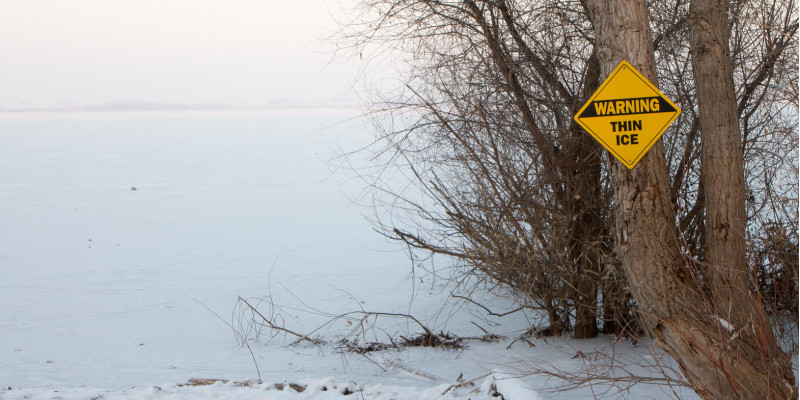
[617, 315]
[723, 163]
[584, 204]
[585, 254]
[723, 173]
[717, 361]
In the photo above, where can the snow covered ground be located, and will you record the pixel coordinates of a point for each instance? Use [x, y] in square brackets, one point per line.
[128, 237]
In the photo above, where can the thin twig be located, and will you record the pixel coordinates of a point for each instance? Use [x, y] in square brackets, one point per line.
[277, 327]
[239, 335]
[465, 383]
[492, 313]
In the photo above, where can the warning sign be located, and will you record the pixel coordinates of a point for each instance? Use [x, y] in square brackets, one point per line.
[627, 114]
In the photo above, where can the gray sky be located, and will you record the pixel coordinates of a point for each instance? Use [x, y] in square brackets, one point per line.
[174, 51]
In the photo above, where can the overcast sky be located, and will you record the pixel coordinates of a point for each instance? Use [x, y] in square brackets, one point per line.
[175, 51]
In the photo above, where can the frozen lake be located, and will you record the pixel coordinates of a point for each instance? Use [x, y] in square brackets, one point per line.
[128, 237]
[104, 285]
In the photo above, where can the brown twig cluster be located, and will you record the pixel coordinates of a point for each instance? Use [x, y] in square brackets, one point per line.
[499, 178]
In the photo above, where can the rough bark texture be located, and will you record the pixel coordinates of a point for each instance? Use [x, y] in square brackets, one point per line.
[718, 362]
[723, 159]
[723, 172]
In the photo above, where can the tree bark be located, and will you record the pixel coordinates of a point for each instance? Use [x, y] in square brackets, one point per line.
[718, 362]
[724, 190]
[723, 163]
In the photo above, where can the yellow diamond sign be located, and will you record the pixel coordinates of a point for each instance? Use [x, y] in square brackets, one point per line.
[627, 114]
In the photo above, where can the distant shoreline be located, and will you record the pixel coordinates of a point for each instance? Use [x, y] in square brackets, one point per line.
[139, 106]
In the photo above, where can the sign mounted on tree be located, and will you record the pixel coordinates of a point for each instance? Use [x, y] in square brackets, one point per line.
[627, 114]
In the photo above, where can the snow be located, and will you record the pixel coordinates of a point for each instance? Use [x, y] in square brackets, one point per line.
[321, 389]
[509, 386]
[110, 292]
[725, 324]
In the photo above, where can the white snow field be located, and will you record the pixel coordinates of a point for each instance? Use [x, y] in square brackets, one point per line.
[126, 239]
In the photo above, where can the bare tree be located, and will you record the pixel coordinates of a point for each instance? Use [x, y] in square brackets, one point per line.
[520, 198]
[720, 358]
[519, 188]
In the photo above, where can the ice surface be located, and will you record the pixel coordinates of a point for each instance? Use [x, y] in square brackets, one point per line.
[127, 238]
